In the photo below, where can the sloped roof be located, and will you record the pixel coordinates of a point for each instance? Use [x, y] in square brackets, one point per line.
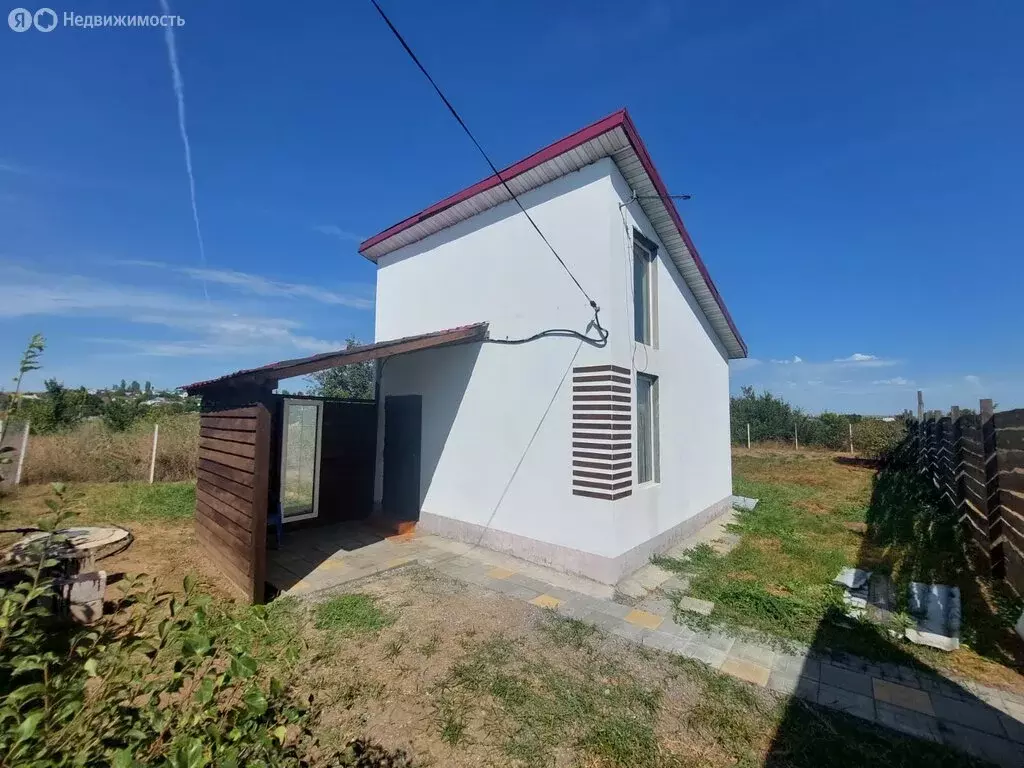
[616, 137]
[302, 366]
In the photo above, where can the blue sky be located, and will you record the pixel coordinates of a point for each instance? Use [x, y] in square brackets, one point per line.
[855, 172]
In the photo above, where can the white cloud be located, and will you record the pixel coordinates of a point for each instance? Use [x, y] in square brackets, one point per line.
[898, 381]
[972, 379]
[796, 359]
[866, 361]
[263, 286]
[744, 363]
[332, 230]
[216, 328]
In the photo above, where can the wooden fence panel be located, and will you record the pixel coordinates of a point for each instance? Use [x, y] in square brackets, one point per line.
[976, 463]
[231, 493]
[1007, 491]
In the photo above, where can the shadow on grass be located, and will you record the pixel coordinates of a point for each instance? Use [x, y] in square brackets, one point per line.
[913, 535]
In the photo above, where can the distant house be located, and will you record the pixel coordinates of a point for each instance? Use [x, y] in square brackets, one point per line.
[526, 427]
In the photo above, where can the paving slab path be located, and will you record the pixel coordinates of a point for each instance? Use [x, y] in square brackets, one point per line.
[982, 721]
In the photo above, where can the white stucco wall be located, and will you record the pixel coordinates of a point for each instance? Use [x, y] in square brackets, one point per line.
[497, 419]
[693, 381]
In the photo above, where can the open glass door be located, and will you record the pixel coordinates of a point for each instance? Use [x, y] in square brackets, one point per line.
[300, 459]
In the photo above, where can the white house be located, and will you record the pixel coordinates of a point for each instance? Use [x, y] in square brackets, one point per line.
[586, 455]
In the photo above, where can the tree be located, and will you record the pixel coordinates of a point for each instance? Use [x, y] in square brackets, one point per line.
[59, 408]
[29, 362]
[121, 413]
[355, 381]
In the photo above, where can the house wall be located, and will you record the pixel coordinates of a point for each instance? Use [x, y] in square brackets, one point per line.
[497, 419]
[693, 386]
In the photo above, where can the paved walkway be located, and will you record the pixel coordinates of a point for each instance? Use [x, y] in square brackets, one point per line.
[982, 721]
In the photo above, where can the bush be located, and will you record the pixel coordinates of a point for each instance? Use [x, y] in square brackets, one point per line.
[772, 419]
[166, 679]
[120, 413]
[94, 453]
[829, 430]
[877, 439]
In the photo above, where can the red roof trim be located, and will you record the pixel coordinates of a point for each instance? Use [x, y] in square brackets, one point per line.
[537, 158]
[648, 164]
[615, 120]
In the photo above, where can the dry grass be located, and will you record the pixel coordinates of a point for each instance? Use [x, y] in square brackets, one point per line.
[459, 676]
[92, 453]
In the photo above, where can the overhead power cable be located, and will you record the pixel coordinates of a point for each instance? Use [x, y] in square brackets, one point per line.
[494, 168]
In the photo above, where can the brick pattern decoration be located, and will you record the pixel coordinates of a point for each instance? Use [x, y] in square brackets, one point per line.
[602, 442]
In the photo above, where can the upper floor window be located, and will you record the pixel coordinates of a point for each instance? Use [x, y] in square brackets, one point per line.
[643, 289]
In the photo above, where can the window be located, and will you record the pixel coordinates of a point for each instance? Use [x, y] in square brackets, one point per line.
[643, 257]
[300, 459]
[647, 428]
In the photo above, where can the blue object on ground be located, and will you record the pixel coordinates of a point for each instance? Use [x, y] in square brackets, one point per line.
[276, 519]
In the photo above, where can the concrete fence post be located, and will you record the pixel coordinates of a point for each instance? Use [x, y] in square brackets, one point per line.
[21, 454]
[152, 458]
[748, 434]
[796, 438]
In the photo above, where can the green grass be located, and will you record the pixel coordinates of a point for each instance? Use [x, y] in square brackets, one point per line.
[777, 579]
[107, 502]
[126, 502]
[564, 631]
[352, 614]
[816, 516]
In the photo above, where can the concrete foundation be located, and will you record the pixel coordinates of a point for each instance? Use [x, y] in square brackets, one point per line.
[606, 570]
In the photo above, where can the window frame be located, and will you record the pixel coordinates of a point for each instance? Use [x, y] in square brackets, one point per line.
[645, 317]
[653, 448]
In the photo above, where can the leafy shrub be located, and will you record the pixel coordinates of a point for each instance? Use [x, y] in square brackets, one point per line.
[169, 680]
[769, 417]
[773, 419]
[878, 439]
[121, 412]
[166, 680]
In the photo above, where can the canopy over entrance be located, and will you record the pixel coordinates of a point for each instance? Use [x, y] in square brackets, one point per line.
[271, 373]
[239, 435]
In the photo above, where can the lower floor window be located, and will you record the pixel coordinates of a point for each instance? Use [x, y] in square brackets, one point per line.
[646, 428]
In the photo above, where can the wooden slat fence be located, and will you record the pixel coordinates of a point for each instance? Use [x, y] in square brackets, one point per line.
[231, 493]
[977, 463]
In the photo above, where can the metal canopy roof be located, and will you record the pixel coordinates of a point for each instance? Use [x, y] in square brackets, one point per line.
[616, 137]
[271, 373]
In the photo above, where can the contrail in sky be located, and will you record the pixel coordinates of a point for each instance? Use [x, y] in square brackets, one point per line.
[179, 92]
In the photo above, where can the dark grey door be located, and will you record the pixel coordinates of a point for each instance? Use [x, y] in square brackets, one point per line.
[403, 423]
